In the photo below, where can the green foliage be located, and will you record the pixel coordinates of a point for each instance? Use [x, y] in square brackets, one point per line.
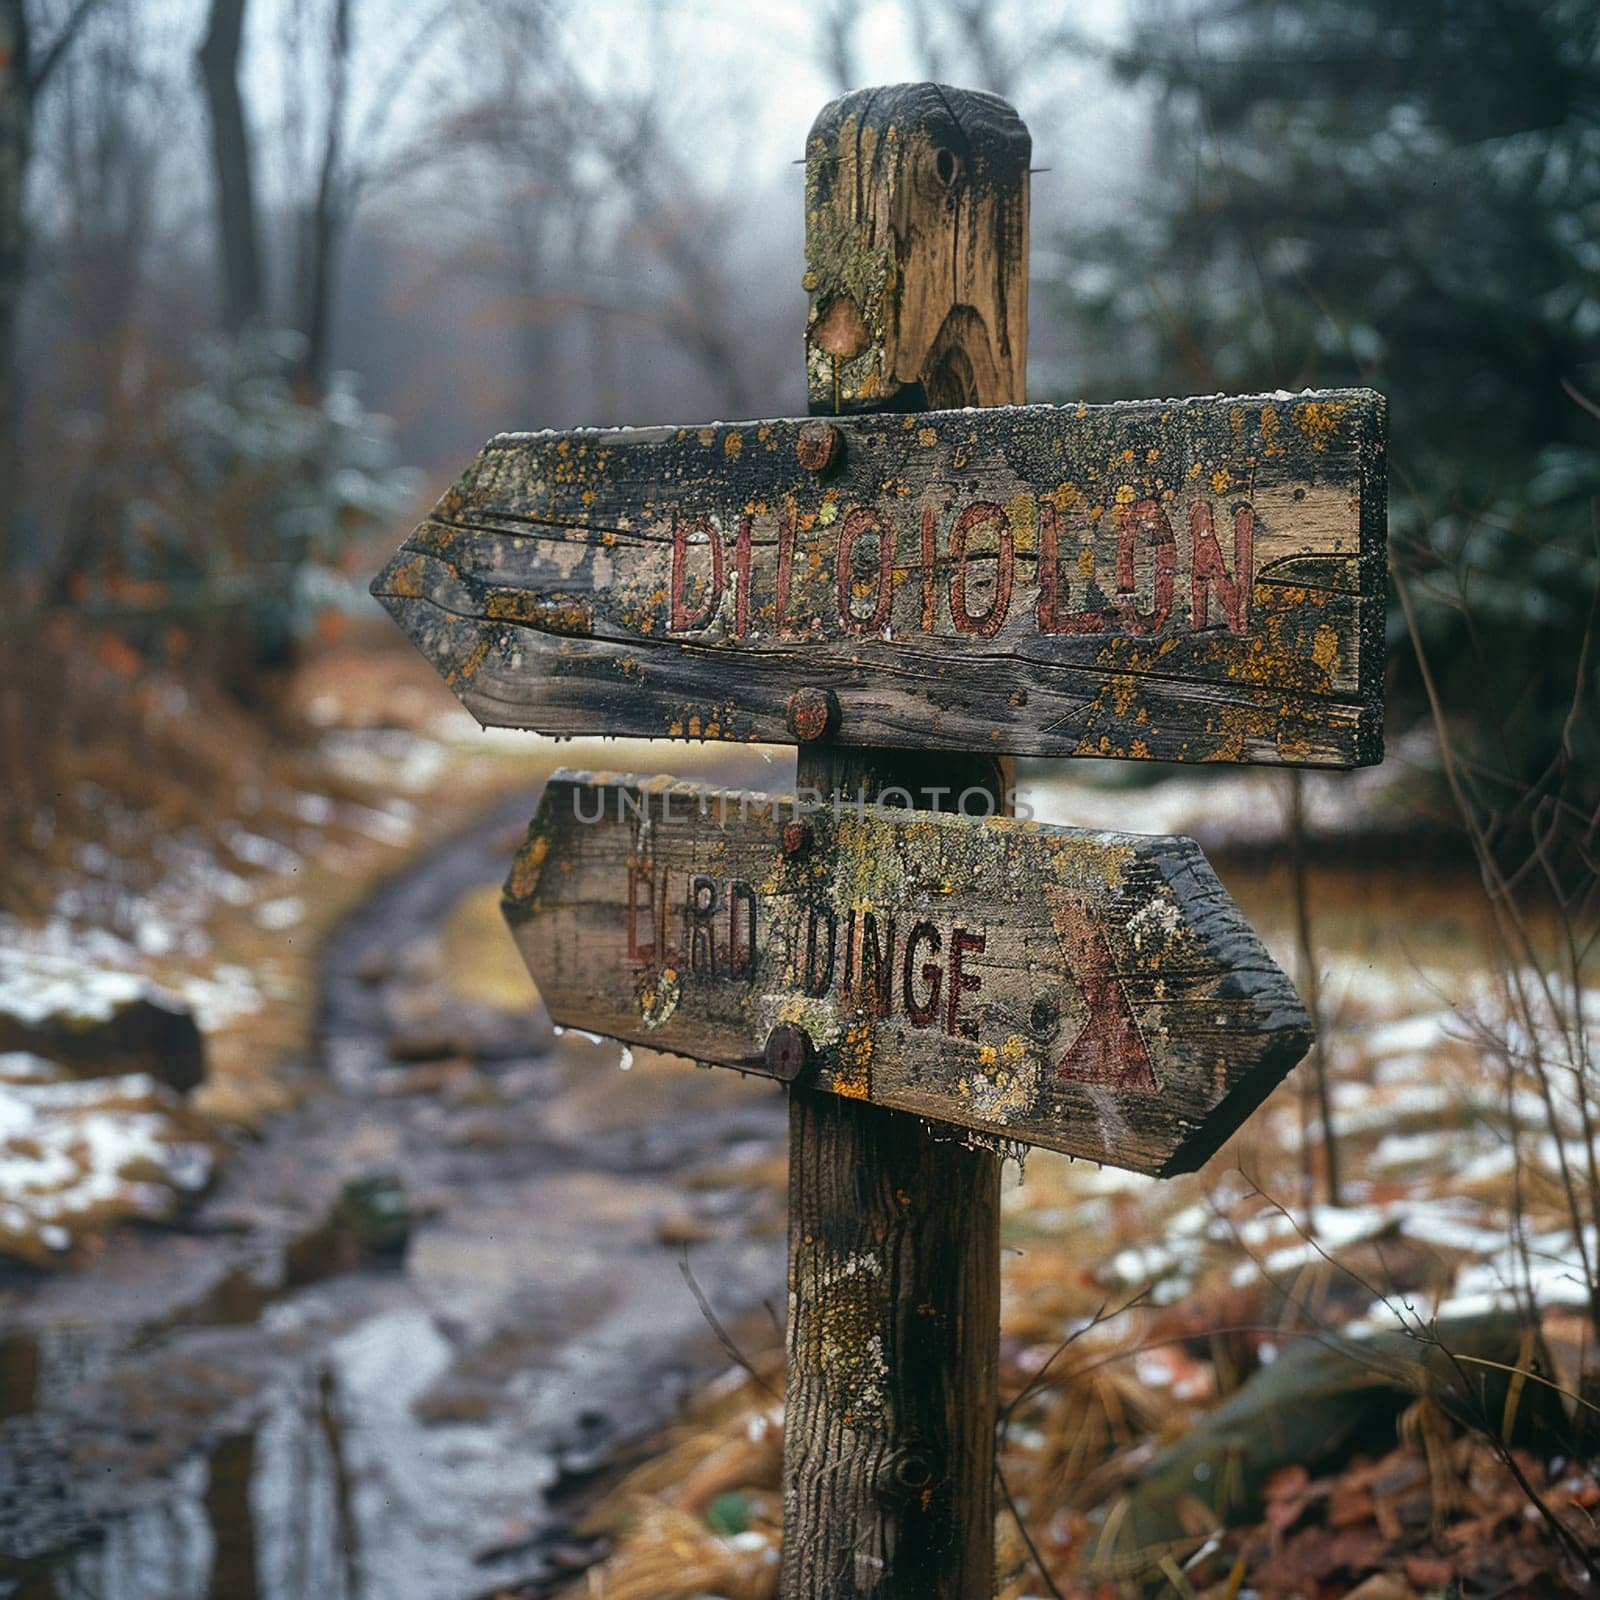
[1405, 196]
[224, 497]
[283, 476]
[313, 467]
[729, 1514]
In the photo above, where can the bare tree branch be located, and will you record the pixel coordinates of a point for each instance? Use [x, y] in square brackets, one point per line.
[49, 59]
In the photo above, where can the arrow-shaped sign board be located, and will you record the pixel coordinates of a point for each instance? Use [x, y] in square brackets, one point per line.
[1095, 993]
[1195, 580]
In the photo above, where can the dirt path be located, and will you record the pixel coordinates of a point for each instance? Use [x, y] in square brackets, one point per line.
[265, 1405]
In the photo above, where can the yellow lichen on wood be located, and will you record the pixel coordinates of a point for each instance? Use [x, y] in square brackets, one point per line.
[528, 867]
[1319, 421]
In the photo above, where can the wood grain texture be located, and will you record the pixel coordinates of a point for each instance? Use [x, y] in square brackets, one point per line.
[1094, 993]
[894, 1307]
[1195, 580]
[894, 1325]
[916, 250]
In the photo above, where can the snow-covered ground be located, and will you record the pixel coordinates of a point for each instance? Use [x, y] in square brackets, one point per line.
[78, 1153]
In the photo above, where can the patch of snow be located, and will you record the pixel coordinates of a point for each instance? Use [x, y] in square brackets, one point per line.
[35, 985]
[1413, 1035]
[1401, 1069]
[227, 993]
[316, 809]
[1413, 1149]
[276, 915]
[22, 1066]
[380, 825]
[385, 758]
[153, 937]
[68, 1146]
[256, 850]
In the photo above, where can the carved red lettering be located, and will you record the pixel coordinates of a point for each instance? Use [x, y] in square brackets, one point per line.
[1051, 613]
[863, 519]
[786, 520]
[641, 907]
[987, 624]
[870, 990]
[741, 577]
[922, 1013]
[962, 982]
[1144, 525]
[741, 944]
[699, 935]
[1206, 566]
[682, 618]
[930, 561]
[1109, 1047]
[818, 969]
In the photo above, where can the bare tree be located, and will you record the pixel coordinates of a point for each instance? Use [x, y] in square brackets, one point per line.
[353, 157]
[114, 208]
[23, 76]
[966, 41]
[232, 162]
[996, 63]
[326, 216]
[836, 43]
[599, 197]
[16, 137]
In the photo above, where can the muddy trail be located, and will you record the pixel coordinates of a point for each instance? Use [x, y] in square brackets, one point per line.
[413, 1324]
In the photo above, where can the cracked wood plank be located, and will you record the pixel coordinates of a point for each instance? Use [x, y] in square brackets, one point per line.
[1185, 580]
[1095, 993]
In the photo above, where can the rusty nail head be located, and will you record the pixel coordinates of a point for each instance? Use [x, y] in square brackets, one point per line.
[796, 837]
[788, 1052]
[820, 447]
[813, 713]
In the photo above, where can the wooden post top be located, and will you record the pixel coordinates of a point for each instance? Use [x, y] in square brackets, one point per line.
[900, 320]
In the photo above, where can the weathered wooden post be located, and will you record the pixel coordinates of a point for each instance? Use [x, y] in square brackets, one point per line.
[911, 595]
[917, 269]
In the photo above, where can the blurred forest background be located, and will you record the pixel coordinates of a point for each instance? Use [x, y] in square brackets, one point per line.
[270, 270]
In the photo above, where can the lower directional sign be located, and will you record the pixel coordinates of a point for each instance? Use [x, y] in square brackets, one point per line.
[1095, 993]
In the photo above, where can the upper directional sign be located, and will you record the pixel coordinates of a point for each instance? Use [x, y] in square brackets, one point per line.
[1096, 993]
[1195, 580]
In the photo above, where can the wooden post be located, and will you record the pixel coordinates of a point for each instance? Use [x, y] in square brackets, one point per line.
[916, 255]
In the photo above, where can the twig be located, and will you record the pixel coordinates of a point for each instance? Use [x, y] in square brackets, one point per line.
[724, 1338]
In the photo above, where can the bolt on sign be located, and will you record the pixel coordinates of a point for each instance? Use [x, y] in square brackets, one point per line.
[1185, 580]
[1096, 993]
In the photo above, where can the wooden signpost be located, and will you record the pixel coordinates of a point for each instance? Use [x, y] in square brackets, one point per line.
[913, 590]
